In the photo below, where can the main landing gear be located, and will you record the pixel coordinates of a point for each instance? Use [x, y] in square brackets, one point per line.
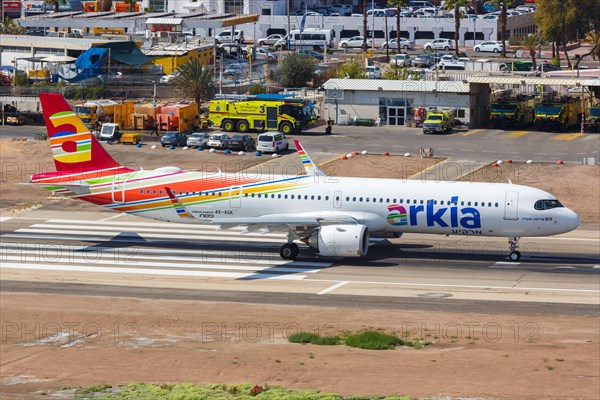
[289, 251]
[515, 255]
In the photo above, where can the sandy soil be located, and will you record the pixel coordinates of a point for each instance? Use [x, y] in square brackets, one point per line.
[379, 166]
[119, 340]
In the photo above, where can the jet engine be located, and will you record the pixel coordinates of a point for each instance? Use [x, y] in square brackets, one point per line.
[340, 240]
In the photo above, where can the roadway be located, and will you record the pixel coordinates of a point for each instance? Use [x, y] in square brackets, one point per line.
[53, 251]
[461, 144]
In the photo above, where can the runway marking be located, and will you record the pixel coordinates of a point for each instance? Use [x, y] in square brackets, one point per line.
[596, 267]
[516, 134]
[567, 136]
[3, 219]
[144, 271]
[112, 217]
[472, 132]
[330, 288]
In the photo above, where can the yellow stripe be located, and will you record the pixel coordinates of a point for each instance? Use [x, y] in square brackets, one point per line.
[516, 134]
[471, 132]
[567, 136]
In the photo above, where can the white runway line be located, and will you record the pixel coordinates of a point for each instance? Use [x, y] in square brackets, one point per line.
[330, 288]
[112, 217]
[142, 271]
[3, 219]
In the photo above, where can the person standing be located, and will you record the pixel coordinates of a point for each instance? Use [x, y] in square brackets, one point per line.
[154, 128]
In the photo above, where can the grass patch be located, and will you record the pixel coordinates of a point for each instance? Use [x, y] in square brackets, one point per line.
[367, 339]
[188, 391]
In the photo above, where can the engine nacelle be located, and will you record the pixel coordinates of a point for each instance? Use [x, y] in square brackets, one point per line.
[341, 240]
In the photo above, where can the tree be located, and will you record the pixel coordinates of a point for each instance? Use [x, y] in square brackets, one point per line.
[398, 4]
[55, 3]
[530, 42]
[9, 27]
[592, 38]
[351, 69]
[456, 5]
[364, 45]
[105, 5]
[130, 4]
[194, 80]
[296, 69]
[503, 16]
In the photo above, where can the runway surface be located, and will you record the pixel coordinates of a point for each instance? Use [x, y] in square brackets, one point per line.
[61, 251]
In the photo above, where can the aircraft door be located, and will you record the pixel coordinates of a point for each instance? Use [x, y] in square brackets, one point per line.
[511, 205]
[118, 189]
[337, 199]
[272, 117]
[235, 196]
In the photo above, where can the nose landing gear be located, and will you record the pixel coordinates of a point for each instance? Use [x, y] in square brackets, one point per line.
[515, 255]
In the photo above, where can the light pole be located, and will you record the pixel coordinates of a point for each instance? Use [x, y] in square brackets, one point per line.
[373, 27]
[474, 19]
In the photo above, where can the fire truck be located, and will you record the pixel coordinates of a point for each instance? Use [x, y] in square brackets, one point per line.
[514, 112]
[247, 113]
[559, 113]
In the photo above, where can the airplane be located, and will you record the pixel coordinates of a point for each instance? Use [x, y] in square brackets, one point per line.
[333, 215]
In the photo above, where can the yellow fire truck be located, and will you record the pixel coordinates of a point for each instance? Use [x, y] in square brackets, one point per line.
[558, 113]
[243, 115]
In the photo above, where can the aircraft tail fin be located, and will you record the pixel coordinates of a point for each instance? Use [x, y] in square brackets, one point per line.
[310, 167]
[74, 148]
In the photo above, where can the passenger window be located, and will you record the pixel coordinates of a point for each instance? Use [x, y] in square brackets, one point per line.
[220, 194]
[360, 199]
[347, 198]
[387, 200]
[462, 203]
[469, 203]
[421, 202]
[326, 198]
[278, 196]
[141, 190]
[292, 197]
[496, 204]
[318, 197]
[312, 197]
[305, 197]
[489, 204]
[272, 196]
[475, 204]
[367, 199]
[354, 199]
[154, 191]
[285, 196]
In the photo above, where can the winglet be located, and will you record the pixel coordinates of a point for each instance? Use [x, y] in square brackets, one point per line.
[179, 207]
[310, 167]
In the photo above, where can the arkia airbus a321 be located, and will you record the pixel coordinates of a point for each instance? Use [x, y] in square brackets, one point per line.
[334, 216]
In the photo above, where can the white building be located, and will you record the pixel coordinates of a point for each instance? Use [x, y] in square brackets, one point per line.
[394, 101]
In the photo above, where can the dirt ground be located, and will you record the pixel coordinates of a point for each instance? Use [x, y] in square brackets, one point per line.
[379, 166]
[118, 341]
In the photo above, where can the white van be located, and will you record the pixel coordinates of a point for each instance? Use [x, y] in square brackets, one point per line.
[316, 39]
[415, 5]
[226, 37]
[272, 142]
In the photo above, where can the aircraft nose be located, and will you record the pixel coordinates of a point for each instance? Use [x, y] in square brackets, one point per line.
[572, 220]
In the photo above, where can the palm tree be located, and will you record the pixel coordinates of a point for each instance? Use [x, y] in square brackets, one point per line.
[503, 16]
[593, 38]
[194, 80]
[398, 4]
[104, 5]
[530, 42]
[456, 5]
[130, 4]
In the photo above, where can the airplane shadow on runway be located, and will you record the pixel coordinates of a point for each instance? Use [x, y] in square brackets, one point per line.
[381, 255]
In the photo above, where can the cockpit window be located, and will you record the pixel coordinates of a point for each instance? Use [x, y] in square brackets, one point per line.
[547, 204]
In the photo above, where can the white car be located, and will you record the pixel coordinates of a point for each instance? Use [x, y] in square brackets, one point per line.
[448, 58]
[439, 44]
[354, 42]
[271, 39]
[401, 60]
[264, 54]
[272, 142]
[168, 79]
[226, 37]
[492, 46]
[373, 72]
[404, 44]
[197, 139]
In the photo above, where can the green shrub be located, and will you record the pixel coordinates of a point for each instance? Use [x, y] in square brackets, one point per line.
[303, 337]
[373, 340]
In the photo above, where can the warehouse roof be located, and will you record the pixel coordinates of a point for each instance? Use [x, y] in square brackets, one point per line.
[397, 86]
[533, 81]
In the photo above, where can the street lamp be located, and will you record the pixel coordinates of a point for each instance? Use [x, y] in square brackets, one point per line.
[474, 19]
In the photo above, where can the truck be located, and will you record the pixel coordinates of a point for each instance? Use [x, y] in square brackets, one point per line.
[592, 122]
[560, 113]
[110, 132]
[243, 115]
[439, 121]
[513, 112]
[101, 111]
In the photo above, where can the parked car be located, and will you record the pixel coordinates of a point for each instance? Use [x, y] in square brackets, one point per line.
[168, 79]
[227, 37]
[448, 58]
[373, 72]
[491, 17]
[219, 141]
[491, 45]
[404, 44]
[445, 44]
[311, 53]
[271, 39]
[354, 42]
[401, 60]
[322, 68]
[197, 139]
[236, 70]
[242, 142]
[173, 138]
[264, 54]
[422, 60]
[272, 142]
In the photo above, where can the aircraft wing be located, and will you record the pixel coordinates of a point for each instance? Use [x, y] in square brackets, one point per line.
[298, 223]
